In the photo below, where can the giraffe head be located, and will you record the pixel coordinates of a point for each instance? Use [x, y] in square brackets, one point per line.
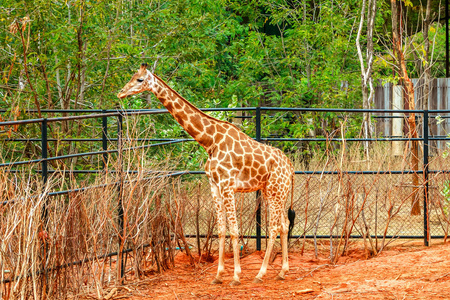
[142, 80]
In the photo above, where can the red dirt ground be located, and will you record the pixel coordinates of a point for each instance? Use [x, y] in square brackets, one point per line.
[405, 271]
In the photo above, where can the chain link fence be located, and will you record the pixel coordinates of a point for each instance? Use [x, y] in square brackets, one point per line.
[356, 205]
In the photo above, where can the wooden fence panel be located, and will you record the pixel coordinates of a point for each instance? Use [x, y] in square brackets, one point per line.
[438, 98]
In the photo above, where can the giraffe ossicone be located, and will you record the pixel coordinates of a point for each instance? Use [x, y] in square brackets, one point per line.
[236, 163]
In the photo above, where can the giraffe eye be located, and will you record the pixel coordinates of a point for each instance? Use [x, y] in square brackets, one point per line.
[140, 80]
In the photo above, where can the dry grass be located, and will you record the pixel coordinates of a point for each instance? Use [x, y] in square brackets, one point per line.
[55, 246]
[63, 255]
[368, 205]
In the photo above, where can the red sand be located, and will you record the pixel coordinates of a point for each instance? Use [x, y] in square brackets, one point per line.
[409, 271]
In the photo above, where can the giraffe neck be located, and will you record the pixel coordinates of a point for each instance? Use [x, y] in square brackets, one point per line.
[195, 122]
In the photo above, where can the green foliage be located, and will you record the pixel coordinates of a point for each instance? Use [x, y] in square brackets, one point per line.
[221, 53]
[445, 192]
[208, 49]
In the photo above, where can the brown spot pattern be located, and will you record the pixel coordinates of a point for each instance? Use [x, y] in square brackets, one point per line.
[236, 163]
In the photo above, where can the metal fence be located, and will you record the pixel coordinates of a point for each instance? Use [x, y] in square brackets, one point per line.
[329, 201]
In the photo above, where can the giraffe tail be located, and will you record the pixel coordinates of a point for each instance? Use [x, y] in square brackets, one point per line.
[291, 212]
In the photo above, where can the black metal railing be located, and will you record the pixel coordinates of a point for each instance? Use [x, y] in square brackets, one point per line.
[424, 115]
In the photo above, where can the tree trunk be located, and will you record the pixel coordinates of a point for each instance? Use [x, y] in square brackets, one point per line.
[409, 91]
[366, 67]
[25, 54]
[426, 70]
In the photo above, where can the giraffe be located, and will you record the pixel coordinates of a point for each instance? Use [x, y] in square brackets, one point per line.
[236, 163]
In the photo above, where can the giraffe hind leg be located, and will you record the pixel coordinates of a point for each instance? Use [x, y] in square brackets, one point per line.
[275, 197]
[274, 225]
[265, 264]
[284, 246]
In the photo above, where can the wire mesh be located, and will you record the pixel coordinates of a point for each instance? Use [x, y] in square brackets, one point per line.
[326, 205]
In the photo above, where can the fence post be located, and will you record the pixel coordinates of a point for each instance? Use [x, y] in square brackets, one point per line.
[426, 219]
[119, 192]
[258, 193]
[105, 140]
[44, 166]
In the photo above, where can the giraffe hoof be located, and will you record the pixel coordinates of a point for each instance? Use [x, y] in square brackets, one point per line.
[279, 277]
[257, 280]
[235, 283]
[216, 281]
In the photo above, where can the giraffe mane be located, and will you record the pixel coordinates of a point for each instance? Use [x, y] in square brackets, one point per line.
[192, 105]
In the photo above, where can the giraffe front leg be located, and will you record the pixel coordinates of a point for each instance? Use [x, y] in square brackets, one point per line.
[222, 227]
[221, 266]
[230, 207]
[237, 264]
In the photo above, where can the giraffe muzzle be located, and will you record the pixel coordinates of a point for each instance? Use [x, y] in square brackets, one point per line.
[121, 94]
